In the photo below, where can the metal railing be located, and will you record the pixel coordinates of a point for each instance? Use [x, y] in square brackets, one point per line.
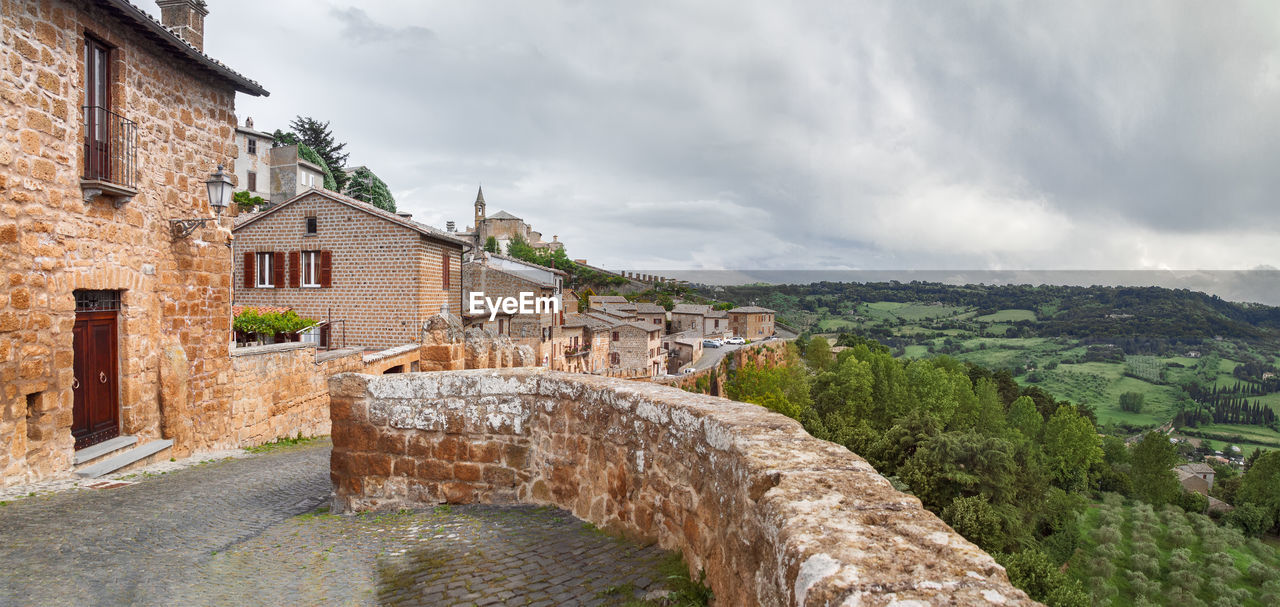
[110, 147]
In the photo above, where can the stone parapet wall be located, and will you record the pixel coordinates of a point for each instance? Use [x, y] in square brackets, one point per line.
[773, 515]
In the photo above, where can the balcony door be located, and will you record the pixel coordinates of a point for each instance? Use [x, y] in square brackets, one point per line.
[97, 110]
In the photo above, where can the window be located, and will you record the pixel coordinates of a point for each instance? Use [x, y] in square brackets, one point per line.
[444, 270]
[615, 336]
[614, 359]
[312, 224]
[264, 271]
[311, 268]
[253, 148]
[253, 181]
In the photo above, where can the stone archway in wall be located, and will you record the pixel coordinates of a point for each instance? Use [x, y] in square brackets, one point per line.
[773, 515]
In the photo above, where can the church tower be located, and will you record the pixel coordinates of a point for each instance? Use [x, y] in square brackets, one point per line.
[479, 208]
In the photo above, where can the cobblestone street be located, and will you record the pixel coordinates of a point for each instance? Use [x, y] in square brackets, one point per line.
[255, 531]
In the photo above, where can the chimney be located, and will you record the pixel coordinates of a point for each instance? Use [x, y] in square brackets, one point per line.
[186, 18]
[248, 122]
[450, 226]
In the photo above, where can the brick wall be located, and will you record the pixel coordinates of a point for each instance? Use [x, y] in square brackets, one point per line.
[176, 294]
[773, 515]
[387, 279]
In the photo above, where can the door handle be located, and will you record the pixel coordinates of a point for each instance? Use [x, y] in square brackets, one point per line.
[75, 384]
[102, 376]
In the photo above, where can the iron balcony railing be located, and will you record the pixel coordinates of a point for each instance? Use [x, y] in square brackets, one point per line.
[110, 147]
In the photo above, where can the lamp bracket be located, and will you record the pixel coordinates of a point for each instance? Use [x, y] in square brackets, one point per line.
[182, 228]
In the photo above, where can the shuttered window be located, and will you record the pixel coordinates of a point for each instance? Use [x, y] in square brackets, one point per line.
[444, 269]
[249, 274]
[277, 269]
[326, 269]
[263, 271]
[311, 268]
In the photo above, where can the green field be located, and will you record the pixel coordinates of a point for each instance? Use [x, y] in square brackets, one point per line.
[910, 312]
[1007, 316]
[1127, 552]
[1253, 436]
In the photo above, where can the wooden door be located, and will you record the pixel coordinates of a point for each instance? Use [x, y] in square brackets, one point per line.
[96, 409]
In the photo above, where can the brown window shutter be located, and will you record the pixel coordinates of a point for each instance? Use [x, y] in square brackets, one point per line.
[249, 271]
[326, 269]
[277, 269]
[444, 269]
[294, 270]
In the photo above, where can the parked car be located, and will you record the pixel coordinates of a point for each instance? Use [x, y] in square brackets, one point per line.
[688, 371]
[711, 343]
[737, 341]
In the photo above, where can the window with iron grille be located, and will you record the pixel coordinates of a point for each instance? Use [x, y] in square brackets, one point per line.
[97, 301]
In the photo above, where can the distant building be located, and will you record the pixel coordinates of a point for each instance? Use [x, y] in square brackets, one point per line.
[1196, 477]
[253, 167]
[503, 227]
[751, 322]
[498, 276]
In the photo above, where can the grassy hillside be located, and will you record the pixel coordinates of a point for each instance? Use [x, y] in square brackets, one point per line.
[1132, 555]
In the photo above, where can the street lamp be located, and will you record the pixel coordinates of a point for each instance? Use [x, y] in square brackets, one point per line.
[220, 190]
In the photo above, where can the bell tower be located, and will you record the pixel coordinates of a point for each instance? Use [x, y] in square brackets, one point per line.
[479, 208]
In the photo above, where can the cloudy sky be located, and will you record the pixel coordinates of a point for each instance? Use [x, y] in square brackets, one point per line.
[846, 135]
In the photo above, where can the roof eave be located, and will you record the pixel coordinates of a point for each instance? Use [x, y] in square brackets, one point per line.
[164, 34]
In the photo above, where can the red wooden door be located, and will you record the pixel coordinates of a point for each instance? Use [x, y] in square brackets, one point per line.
[96, 408]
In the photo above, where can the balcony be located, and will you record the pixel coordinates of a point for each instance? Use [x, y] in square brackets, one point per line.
[110, 156]
[571, 351]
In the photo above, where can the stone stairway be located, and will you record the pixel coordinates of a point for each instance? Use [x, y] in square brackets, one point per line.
[118, 454]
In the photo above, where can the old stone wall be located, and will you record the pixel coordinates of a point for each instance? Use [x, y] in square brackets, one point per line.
[373, 260]
[282, 389]
[175, 294]
[773, 515]
[762, 353]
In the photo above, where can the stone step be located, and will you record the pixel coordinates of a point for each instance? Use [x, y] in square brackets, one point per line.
[136, 454]
[103, 449]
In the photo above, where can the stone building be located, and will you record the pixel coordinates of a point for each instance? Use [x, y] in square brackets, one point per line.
[253, 167]
[373, 277]
[114, 324]
[584, 343]
[503, 227]
[692, 317]
[688, 317]
[682, 349]
[291, 174]
[751, 322]
[498, 276]
[635, 345]
[651, 314]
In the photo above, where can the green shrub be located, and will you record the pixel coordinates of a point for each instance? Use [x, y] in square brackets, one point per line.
[270, 323]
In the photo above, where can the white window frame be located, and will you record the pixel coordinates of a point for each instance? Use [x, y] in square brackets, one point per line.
[310, 266]
[263, 268]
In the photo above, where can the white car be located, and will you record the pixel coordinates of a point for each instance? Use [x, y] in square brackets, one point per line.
[688, 371]
[737, 341]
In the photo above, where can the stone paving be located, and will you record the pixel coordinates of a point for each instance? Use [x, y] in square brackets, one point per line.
[255, 531]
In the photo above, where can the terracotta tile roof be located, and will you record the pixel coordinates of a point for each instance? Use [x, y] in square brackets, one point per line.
[690, 309]
[237, 310]
[421, 228]
[751, 310]
[650, 308]
[161, 33]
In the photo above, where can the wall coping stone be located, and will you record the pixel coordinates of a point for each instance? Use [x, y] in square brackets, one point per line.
[773, 515]
[389, 352]
[270, 348]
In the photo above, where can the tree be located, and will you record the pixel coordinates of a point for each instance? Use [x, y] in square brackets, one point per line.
[1250, 519]
[1260, 486]
[1071, 447]
[245, 200]
[978, 521]
[1024, 418]
[1153, 459]
[363, 185]
[316, 135]
[818, 354]
[666, 302]
[1132, 402]
[491, 244]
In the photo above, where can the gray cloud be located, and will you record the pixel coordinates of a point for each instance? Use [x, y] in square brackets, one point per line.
[836, 134]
